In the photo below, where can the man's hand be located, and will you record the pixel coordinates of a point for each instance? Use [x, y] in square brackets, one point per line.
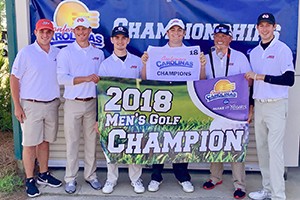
[145, 57]
[202, 69]
[93, 77]
[250, 115]
[19, 113]
[202, 59]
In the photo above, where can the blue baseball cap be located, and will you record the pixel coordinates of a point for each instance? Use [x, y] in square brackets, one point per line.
[120, 30]
[223, 28]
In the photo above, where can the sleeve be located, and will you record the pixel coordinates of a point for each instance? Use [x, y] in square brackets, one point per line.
[19, 66]
[102, 70]
[286, 79]
[208, 71]
[63, 71]
[286, 60]
[140, 67]
[244, 63]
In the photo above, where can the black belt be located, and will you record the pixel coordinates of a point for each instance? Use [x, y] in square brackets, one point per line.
[38, 101]
[84, 99]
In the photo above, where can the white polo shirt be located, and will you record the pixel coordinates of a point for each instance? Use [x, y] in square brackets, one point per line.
[36, 71]
[115, 67]
[275, 60]
[74, 61]
[238, 64]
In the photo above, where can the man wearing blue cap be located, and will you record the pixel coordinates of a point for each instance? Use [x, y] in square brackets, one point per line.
[273, 74]
[224, 61]
[122, 64]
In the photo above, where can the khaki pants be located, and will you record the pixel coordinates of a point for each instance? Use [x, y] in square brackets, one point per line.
[41, 123]
[238, 174]
[80, 116]
[134, 172]
[270, 120]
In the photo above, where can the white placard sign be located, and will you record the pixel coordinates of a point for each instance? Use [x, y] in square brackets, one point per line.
[173, 64]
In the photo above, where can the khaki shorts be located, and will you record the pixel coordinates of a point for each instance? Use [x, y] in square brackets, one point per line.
[41, 123]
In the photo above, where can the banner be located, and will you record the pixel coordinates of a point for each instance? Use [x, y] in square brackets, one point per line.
[149, 28]
[146, 122]
[173, 64]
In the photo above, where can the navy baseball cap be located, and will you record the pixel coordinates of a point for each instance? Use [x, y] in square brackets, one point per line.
[223, 28]
[266, 17]
[120, 30]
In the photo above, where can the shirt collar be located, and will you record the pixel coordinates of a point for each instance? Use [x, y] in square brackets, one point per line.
[115, 57]
[167, 45]
[76, 45]
[37, 46]
[274, 40]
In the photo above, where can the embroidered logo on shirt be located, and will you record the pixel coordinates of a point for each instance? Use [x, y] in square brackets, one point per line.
[271, 57]
[133, 67]
[95, 58]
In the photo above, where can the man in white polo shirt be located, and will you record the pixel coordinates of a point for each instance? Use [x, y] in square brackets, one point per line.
[273, 74]
[35, 93]
[125, 65]
[176, 32]
[77, 68]
[224, 61]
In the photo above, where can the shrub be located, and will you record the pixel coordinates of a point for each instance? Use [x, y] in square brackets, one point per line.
[10, 183]
[5, 96]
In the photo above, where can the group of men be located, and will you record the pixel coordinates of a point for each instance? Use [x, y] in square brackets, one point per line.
[39, 69]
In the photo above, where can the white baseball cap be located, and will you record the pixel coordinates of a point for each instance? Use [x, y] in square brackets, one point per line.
[81, 21]
[175, 22]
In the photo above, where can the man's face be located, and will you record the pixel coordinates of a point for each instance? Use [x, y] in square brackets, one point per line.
[222, 40]
[120, 42]
[176, 34]
[43, 36]
[82, 33]
[266, 31]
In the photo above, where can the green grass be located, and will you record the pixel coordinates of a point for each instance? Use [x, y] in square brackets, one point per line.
[10, 183]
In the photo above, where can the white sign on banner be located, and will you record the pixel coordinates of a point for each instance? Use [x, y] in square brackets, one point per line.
[173, 64]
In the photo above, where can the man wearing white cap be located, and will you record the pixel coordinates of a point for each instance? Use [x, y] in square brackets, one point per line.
[77, 69]
[175, 32]
[35, 93]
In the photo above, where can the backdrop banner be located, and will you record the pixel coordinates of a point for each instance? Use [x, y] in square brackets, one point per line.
[147, 21]
[146, 122]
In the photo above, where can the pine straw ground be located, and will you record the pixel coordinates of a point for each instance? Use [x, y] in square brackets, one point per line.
[8, 166]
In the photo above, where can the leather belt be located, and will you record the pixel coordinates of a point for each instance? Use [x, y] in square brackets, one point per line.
[267, 100]
[38, 101]
[84, 99]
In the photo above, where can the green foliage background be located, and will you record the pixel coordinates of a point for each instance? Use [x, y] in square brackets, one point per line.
[5, 97]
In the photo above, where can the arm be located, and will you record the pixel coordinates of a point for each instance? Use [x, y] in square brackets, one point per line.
[203, 64]
[286, 79]
[15, 93]
[63, 72]
[144, 60]
[251, 104]
[81, 79]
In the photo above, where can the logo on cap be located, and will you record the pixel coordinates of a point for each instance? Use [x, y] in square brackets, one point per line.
[45, 23]
[265, 16]
[80, 20]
